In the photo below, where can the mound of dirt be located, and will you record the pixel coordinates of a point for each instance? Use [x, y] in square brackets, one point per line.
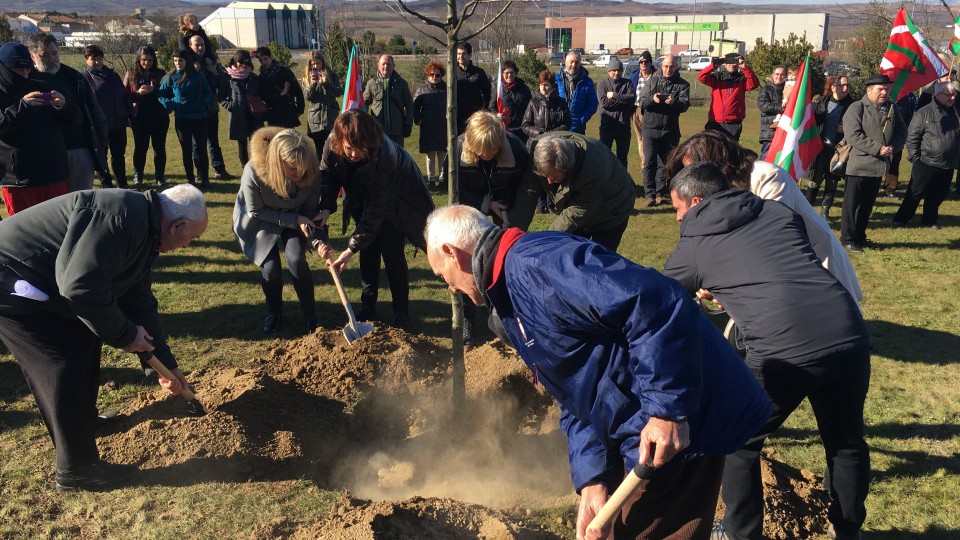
[376, 419]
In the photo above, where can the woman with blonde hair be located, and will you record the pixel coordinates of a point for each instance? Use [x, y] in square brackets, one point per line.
[321, 90]
[188, 26]
[279, 194]
[493, 164]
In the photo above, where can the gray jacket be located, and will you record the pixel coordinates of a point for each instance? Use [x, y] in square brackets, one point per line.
[933, 137]
[260, 214]
[323, 108]
[863, 129]
[396, 101]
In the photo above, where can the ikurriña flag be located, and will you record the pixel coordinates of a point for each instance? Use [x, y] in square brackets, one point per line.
[796, 141]
[909, 60]
[353, 89]
[955, 42]
[500, 109]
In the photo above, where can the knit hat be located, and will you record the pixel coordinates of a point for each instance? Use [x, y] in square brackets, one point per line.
[15, 55]
[614, 65]
[645, 55]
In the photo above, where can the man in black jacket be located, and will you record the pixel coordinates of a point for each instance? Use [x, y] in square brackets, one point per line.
[933, 145]
[75, 273]
[33, 158]
[473, 86]
[616, 96]
[664, 98]
[753, 257]
[86, 141]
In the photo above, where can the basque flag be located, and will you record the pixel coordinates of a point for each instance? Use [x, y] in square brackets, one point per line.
[353, 89]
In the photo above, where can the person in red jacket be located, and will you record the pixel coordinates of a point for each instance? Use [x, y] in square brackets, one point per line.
[729, 86]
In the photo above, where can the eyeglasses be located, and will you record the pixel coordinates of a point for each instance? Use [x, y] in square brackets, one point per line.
[644, 61]
[844, 84]
[435, 75]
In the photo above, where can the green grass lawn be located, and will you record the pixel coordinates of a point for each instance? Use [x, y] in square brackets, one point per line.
[213, 310]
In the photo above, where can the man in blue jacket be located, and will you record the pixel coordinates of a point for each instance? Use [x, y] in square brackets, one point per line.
[628, 355]
[803, 332]
[575, 85]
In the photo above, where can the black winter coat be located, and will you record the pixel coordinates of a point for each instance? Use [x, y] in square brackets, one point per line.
[618, 110]
[387, 186]
[546, 113]
[32, 151]
[430, 113]
[285, 110]
[242, 124]
[111, 96]
[145, 106]
[501, 182]
[934, 137]
[515, 100]
[754, 256]
[662, 119]
[770, 103]
[473, 93]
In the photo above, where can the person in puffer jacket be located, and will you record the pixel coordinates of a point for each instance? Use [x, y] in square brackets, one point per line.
[186, 93]
[116, 106]
[639, 373]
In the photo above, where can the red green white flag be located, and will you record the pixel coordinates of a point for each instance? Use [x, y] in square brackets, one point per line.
[353, 89]
[909, 61]
[955, 42]
[796, 141]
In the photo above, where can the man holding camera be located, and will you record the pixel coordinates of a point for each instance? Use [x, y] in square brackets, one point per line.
[729, 85]
[663, 99]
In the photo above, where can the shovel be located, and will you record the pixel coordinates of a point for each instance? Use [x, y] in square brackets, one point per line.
[194, 407]
[353, 330]
[627, 488]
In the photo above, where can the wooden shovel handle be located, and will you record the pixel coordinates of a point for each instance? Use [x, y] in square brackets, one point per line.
[186, 393]
[341, 292]
[615, 503]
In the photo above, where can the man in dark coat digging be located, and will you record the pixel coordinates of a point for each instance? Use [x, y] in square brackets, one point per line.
[75, 273]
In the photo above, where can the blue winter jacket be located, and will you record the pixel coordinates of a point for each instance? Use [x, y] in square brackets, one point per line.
[583, 104]
[616, 343]
[192, 101]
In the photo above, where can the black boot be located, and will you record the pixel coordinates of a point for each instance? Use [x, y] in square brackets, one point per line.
[825, 212]
[138, 178]
[99, 476]
[105, 180]
[160, 181]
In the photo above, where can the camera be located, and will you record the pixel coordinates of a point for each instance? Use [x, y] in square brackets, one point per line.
[663, 96]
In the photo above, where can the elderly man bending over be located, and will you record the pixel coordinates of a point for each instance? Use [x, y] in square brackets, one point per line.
[628, 355]
[75, 273]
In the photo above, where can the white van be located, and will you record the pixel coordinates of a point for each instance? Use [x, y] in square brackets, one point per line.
[603, 60]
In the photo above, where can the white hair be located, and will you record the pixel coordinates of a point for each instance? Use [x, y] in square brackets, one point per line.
[458, 225]
[943, 88]
[183, 202]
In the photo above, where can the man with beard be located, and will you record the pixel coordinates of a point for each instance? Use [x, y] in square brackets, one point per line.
[86, 142]
[575, 85]
[664, 98]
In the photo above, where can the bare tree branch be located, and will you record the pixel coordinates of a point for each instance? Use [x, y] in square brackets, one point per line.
[423, 18]
[491, 21]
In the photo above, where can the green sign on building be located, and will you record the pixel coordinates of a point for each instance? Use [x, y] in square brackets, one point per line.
[677, 27]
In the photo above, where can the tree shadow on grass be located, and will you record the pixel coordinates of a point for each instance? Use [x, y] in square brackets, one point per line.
[912, 344]
[931, 533]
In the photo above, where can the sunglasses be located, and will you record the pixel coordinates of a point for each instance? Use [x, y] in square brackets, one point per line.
[435, 75]
[644, 61]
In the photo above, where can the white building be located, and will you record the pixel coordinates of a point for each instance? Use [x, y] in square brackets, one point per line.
[249, 25]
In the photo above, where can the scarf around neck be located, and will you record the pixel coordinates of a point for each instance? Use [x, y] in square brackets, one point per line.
[239, 74]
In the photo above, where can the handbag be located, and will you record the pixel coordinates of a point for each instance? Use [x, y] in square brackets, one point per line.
[838, 163]
[257, 106]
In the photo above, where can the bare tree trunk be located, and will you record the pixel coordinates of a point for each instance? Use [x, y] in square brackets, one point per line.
[453, 192]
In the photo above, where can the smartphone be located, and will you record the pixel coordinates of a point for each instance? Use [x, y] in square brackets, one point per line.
[47, 98]
[663, 97]
[316, 73]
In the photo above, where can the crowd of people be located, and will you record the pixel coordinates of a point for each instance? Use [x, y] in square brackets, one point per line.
[639, 372]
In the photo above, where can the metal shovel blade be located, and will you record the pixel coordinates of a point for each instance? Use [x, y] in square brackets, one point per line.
[353, 333]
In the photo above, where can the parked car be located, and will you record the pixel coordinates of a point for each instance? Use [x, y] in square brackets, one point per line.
[697, 64]
[599, 51]
[603, 60]
[556, 59]
[625, 50]
[690, 52]
[836, 67]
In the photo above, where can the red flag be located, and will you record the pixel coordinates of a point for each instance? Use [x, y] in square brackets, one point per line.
[504, 114]
[353, 89]
[796, 141]
[909, 61]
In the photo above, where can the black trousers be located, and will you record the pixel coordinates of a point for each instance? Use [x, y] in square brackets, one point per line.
[243, 151]
[295, 247]
[150, 131]
[387, 246]
[656, 148]
[117, 144]
[193, 134]
[733, 129]
[858, 200]
[822, 175]
[213, 141]
[621, 136]
[60, 358]
[608, 238]
[836, 386]
[319, 139]
[930, 184]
